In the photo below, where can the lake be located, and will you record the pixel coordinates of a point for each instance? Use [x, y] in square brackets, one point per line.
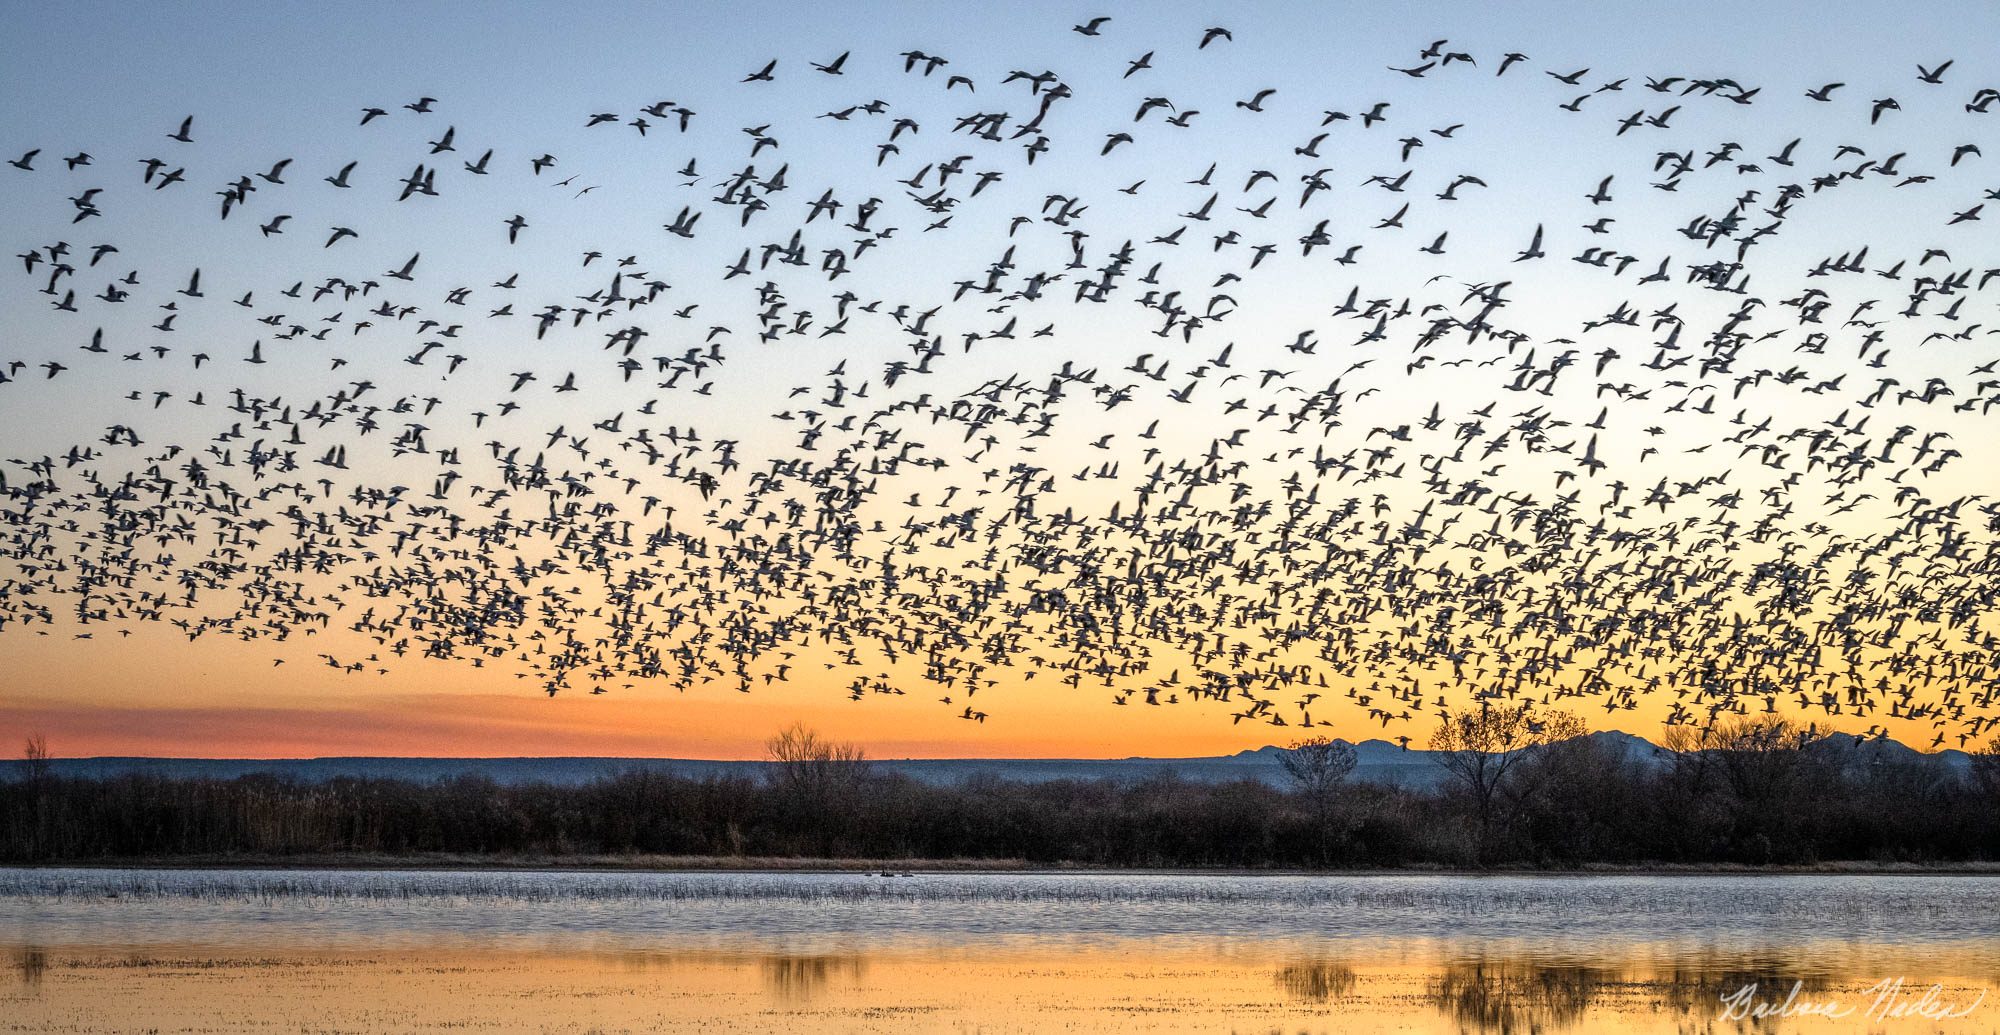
[98, 950]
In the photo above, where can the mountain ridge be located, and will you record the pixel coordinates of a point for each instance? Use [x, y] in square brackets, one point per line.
[1378, 761]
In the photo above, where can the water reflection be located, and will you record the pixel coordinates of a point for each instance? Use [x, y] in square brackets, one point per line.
[1316, 981]
[1006, 953]
[1421, 988]
[31, 961]
[1507, 996]
[1702, 991]
[1502, 997]
[799, 978]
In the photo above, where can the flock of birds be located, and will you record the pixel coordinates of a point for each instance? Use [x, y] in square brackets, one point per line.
[951, 428]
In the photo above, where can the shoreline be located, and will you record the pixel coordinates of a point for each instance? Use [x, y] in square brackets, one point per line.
[671, 864]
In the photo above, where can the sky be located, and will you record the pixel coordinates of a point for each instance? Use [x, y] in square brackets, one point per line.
[247, 673]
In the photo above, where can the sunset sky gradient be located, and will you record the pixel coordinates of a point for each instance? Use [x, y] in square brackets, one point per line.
[271, 80]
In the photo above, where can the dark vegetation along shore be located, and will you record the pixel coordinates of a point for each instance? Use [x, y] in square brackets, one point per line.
[1511, 793]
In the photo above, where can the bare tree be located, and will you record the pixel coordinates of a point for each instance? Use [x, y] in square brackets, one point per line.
[1319, 766]
[819, 777]
[1772, 783]
[1986, 769]
[806, 759]
[1761, 758]
[35, 758]
[1485, 751]
[35, 770]
[1690, 753]
[1689, 789]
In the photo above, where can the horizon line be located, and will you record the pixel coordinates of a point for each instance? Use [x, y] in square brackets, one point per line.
[1413, 749]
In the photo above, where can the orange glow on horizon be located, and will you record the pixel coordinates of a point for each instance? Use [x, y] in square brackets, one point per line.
[148, 692]
[499, 725]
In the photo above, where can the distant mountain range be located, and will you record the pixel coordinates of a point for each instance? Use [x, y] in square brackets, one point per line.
[1378, 761]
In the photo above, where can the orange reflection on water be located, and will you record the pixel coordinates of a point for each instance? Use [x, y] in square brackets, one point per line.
[1129, 986]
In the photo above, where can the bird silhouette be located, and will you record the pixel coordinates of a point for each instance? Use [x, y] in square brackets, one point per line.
[944, 395]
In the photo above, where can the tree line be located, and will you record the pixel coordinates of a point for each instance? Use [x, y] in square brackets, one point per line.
[1515, 789]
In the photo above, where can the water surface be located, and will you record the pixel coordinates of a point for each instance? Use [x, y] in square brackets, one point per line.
[387, 951]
